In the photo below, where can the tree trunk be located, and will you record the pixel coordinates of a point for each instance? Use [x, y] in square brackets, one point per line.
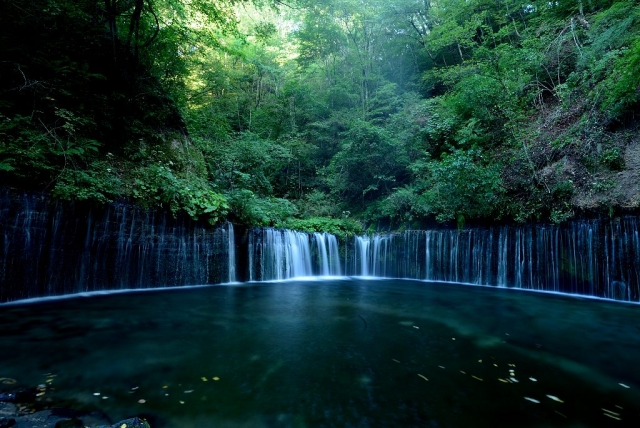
[134, 28]
[110, 12]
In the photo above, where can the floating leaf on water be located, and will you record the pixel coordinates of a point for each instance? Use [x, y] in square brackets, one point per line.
[624, 386]
[216, 378]
[513, 379]
[554, 398]
[609, 411]
[142, 401]
[533, 400]
[533, 379]
[476, 377]
[204, 379]
[423, 377]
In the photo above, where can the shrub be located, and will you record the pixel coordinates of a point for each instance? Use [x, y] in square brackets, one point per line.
[339, 227]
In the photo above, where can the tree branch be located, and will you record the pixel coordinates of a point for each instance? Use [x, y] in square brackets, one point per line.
[157, 29]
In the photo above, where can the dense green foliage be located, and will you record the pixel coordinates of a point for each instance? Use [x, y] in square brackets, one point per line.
[324, 115]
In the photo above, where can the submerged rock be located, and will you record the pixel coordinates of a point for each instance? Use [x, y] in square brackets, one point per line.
[7, 411]
[7, 396]
[7, 422]
[128, 423]
[22, 408]
[70, 423]
[29, 417]
[50, 419]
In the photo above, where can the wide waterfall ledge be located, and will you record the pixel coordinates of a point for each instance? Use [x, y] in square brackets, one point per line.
[53, 248]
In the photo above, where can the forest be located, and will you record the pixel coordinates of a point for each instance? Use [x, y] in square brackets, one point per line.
[332, 115]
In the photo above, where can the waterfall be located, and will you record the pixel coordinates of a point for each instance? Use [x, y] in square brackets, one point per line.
[52, 248]
[322, 251]
[334, 254]
[503, 248]
[298, 254]
[378, 253]
[591, 257]
[232, 254]
[280, 254]
[327, 254]
[362, 253]
[285, 254]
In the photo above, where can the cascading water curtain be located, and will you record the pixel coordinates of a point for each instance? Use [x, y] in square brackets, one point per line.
[232, 253]
[596, 257]
[362, 259]
[54, 248]
[283, 254]
[50, 248]
[327, 254]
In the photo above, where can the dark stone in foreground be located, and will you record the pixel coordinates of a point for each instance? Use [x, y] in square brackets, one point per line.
[128, 423]
[70, 423]
[7, 422]
[61, 418]
[7, 397]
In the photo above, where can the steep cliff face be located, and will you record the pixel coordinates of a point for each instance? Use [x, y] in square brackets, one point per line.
[602, 180]
[565, 167]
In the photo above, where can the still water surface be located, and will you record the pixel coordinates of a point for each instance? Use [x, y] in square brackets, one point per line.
[333, 353]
